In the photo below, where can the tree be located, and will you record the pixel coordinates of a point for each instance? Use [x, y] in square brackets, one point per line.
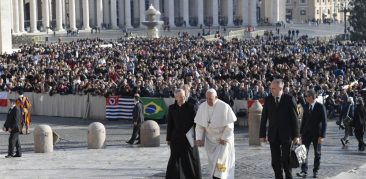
[357, 19]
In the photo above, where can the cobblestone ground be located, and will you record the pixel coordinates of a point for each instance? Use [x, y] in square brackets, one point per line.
[255, 162]
[251, 162]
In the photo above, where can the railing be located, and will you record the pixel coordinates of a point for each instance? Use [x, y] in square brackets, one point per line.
[80, 106]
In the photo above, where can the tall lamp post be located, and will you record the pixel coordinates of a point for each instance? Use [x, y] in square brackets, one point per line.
[345, 10]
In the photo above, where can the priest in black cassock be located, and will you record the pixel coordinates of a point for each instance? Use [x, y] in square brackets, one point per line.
[184, 161]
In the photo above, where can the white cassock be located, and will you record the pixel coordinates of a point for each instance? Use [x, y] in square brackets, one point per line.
[213, 123]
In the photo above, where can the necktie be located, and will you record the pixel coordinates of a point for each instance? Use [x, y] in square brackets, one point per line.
[277, 100]
[310, 108]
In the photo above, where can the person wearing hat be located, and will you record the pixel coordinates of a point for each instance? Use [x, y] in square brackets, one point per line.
[24, 106]
[215, 131]
[12, 126]
[137, 119]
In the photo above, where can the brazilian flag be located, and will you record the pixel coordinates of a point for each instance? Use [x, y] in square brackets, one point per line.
[154, 108]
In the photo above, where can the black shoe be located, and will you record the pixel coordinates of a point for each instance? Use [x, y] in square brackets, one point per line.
[362, 148]
[138, 142]
[315, 174]
[9, 156]
[128, 142]
[343, 142]
[18, 155]
[301, 174]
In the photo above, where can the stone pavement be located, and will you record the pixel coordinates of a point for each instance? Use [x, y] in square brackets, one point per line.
[323, 30]
[72, 159]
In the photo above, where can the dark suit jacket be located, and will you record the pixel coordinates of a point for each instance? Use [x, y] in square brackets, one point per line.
[12, 120]
[283, 123]
[314, 124]
[138, 113]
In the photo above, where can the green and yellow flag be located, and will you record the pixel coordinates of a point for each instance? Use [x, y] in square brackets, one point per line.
[154, 108]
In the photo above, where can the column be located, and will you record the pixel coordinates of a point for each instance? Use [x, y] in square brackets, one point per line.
[45, 15]
[114, 14]
[245, 12]
[72, 15]
[33, 16]
[106, 12]
[142, 11]
[59, 15]
[21, 16]
[171, 14]
[5, 27]
[186, 12]
[200, 12]
[86, 25]
[15, 16]
[275, 11]
[253, 13]
[128, 13]
[230, 10]
[121, 14]
[99, 13]
[215, 13]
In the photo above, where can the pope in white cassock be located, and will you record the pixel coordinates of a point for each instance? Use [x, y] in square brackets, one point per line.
[215, 126]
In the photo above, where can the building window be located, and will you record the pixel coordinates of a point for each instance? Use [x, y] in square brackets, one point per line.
[303, 1]
[303, 12]
[317, 1]
[317, 11]
[288, 1]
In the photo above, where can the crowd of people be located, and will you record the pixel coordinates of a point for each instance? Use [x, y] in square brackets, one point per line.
[237, 69]
[229, 70]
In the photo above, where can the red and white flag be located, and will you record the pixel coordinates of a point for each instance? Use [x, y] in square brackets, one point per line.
[3, 99]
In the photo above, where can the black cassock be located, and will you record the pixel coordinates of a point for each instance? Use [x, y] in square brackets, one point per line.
[184, 161]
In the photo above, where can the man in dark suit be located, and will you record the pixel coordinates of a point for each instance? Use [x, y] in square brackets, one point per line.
[11, 125]
[281, 112]
[312, 130]
[137, 119]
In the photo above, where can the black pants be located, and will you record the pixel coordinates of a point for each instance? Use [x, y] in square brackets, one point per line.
[135, 132]
[359, 135]
[14, 142]
[280, 153]
[317, 153]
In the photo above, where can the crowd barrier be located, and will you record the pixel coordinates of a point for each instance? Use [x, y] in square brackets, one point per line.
[79, 106]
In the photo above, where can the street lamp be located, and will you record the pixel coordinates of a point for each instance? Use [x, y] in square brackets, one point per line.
[345, 10]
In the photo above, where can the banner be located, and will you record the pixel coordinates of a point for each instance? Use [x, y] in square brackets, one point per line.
[154, 108]
[3, 99]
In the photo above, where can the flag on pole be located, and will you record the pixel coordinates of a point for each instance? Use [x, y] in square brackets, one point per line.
[119, 108]
[3, 99]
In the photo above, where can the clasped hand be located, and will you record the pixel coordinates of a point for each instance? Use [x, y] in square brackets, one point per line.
[199, 143]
